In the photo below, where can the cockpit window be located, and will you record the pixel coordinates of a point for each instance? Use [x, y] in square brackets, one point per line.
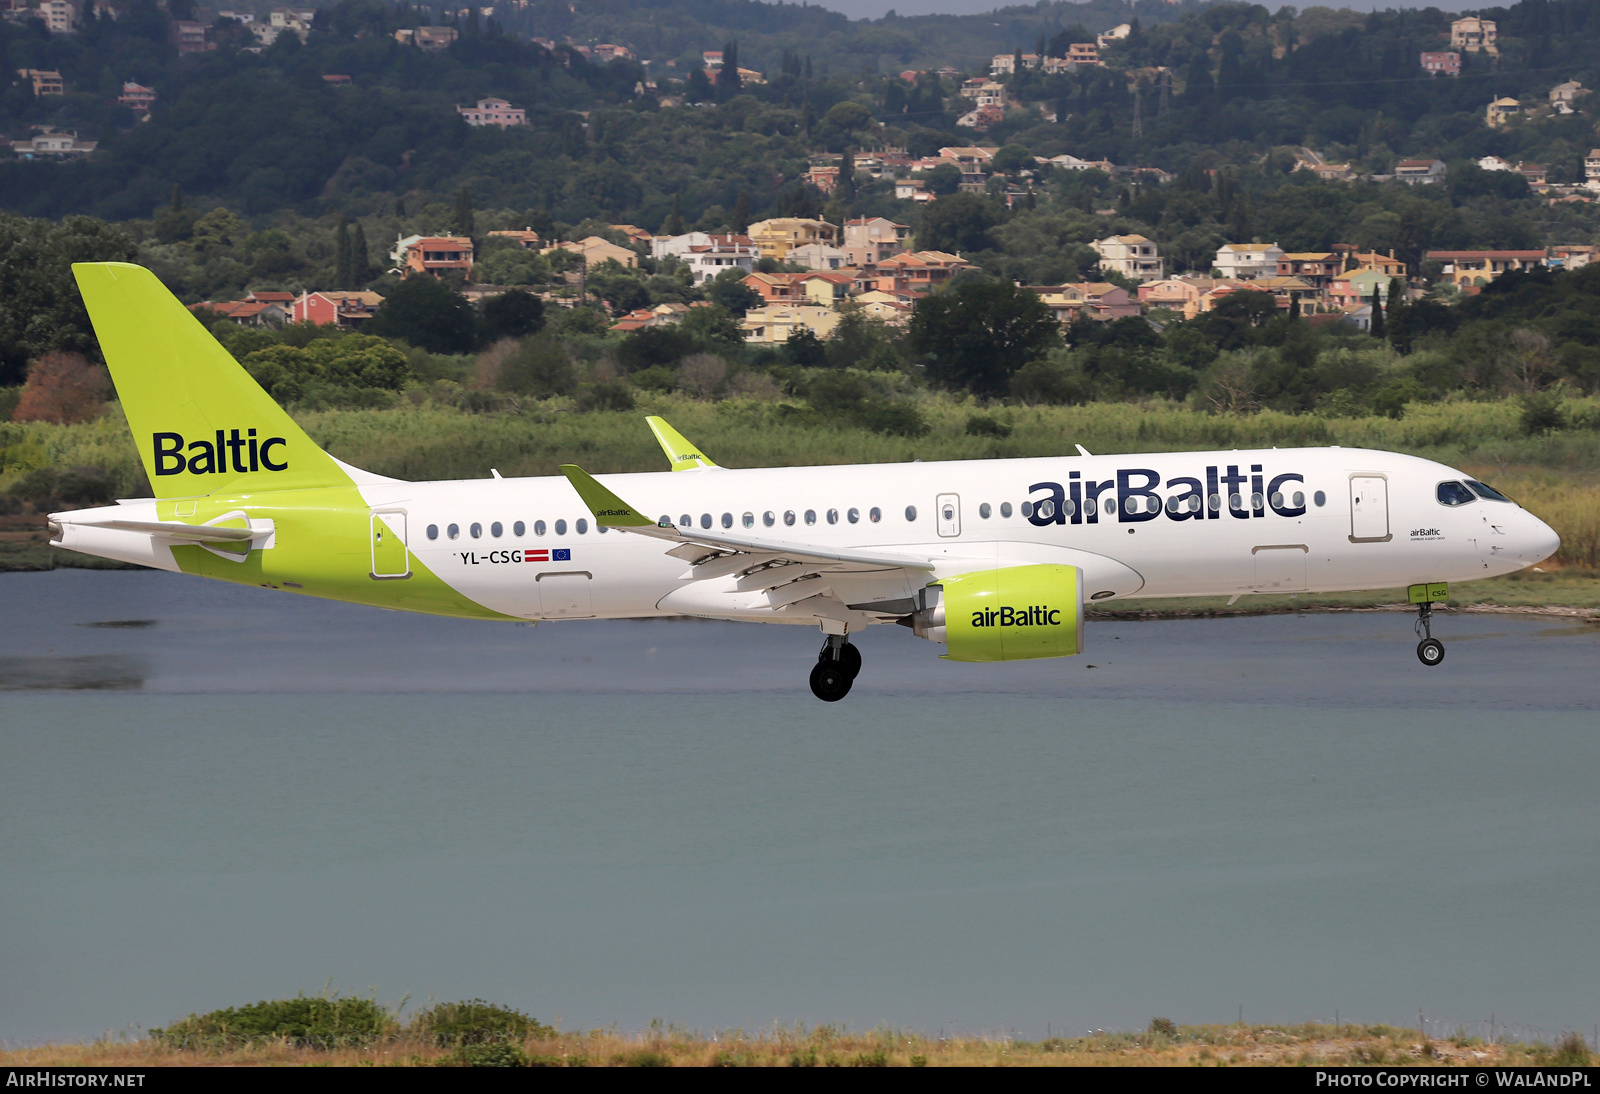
[1487, 493]
[1454, 493]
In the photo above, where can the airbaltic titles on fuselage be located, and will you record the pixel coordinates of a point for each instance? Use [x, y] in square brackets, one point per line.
[1133, 493]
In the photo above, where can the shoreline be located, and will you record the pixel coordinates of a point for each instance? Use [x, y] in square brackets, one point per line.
[1165, 1044]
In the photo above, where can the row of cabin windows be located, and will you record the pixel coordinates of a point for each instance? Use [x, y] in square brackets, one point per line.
[874, 515]
[518, 529]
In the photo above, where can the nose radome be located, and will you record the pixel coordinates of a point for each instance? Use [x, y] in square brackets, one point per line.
[1539, 539]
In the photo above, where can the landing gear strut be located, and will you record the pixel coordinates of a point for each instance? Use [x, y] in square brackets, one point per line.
[838, 663]
[1430, 651]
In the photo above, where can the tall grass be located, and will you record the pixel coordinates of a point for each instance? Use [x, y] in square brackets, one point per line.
[1556, 474]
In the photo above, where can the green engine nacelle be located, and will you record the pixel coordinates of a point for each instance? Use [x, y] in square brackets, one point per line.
[1014, 614]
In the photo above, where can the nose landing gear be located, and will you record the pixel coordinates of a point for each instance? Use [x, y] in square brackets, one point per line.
[1430, 651]
[838, 664]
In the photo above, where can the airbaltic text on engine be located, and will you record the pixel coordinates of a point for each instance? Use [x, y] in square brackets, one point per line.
[249, 454]
[1034, 615]
[1080, 502]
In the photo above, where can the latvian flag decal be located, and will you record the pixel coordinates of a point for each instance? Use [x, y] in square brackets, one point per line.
[560, 554]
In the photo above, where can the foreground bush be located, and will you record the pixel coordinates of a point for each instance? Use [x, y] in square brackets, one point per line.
[317, 1022]
[475, 1022]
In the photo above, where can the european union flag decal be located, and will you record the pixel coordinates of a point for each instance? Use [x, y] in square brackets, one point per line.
[561, 554]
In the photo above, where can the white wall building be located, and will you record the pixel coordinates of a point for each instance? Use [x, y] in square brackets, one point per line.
[1247, 261]
[1132, 256]
[707, 255]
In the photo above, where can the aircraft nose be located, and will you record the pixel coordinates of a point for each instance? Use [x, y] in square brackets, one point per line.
[1538, 540]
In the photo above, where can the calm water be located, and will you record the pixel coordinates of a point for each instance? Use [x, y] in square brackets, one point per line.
[236, 794]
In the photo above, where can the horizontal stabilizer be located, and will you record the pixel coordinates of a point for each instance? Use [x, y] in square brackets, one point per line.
[191, 532]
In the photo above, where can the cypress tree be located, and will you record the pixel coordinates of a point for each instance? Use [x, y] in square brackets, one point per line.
[360, 262]
[464, 212]
[728, 76]
[674, 225]
[1376, 330]
[741, 212]
[845, 191]
[341, 255]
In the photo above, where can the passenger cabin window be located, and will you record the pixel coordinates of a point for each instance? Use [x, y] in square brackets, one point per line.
[538, 528]
[768, 519]
[519, 529]
[582, 526]
[705, 520]
[811, 516]
[454, 531]
[1487, 493]
[984, 510]
[833, 516]
[476, 530]
[561, 527]
[497, 529]
[911, 512]
[686, 521]
[1299, 500]
[1319, 499]
[874, 514]
[788, 518]
[1454, 494]
[748, 520]
[1027, 508]
[433, 531]
[1005, 509]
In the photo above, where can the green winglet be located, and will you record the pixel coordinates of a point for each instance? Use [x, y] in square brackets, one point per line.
[683, 455]
[609, 510]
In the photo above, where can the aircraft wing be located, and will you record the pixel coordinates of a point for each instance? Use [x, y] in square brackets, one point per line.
[698, 546]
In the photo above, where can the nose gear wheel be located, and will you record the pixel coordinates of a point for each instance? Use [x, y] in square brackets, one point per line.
[1430, 651]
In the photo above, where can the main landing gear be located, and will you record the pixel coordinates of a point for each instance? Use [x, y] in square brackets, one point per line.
[838, 664]
[1430, 651]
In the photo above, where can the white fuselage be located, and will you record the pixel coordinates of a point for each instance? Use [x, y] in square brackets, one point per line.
[1364, 519]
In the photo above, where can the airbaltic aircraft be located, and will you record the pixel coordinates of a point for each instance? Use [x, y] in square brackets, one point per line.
[992, 559]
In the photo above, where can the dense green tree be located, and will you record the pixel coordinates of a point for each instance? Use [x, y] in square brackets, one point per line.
[960, 222]
[40, 307]
[974, 336]
[426, 313]
[512, 314]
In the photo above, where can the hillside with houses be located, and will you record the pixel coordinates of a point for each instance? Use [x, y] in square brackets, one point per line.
[1126, 200]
